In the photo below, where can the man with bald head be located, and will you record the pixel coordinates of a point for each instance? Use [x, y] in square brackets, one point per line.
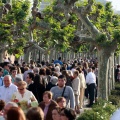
[7, 90]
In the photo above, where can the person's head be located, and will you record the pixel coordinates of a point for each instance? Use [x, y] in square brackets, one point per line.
[56, 113]
[42, 71]
[6, 65]
[36, 70]
[47, 96]
[68, 114]
[16, 80]
[48, 71]
[93, 69]
[61, 101]
[65, 72]
[8, 106]
[35, 113]
[90, 70]
[7, 80]
[57, 69]
[13, 71]
[1, 71]
[61, 81]
[15, 113]
[30, 77]
[2, 104]
[18, 70]
[59, 58]
[54, 80]
[79, 69]
[31, 67]
[76, 73]
[22, 87]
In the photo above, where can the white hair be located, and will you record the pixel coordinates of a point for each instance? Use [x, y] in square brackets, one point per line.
[10, 78]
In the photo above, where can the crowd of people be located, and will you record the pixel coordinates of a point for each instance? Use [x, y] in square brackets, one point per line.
[47, 91]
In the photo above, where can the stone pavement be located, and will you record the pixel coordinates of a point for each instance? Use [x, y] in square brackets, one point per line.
[85, 108]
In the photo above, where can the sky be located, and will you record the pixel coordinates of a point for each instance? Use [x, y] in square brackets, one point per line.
[116, 4]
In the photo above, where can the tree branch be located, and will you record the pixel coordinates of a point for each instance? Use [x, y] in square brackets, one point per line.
[82, 39]
[87, 9]
[85, 20]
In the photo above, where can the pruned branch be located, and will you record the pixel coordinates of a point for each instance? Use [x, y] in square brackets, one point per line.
[88, 8]
[81, 39]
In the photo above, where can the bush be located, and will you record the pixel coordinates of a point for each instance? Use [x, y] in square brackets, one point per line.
[115, 92]
[102, 110]
[117, 86]
[115, 100]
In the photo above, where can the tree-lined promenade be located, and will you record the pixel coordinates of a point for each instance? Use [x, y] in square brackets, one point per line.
[64, 26]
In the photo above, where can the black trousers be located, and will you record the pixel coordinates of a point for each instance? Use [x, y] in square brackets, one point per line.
[91, 91]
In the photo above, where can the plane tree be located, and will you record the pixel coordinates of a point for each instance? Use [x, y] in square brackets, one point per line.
[99, 26]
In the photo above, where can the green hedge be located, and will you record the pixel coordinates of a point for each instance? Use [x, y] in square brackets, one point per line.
[102, 110]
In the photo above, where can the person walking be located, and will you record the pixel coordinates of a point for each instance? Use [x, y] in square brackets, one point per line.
[63, 91]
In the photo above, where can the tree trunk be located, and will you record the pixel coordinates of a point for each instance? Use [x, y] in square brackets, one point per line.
[113, 72]
[1, 56]
[27, 57]
[103, 58]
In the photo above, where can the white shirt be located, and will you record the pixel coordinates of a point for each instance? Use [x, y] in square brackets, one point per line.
[90, 78]
[76, 86]
[116, 115]
[7, 92]
[26, 97]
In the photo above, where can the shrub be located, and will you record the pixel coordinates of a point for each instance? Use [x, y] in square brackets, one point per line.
[115, 100]
[115, 92]
[102, 110]
[117, 86]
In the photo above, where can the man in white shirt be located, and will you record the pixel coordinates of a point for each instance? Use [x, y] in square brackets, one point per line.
[91, 81]
[7, 90]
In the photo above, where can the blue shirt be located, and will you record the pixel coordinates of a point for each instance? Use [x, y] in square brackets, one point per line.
[1, 81]
[58, 61]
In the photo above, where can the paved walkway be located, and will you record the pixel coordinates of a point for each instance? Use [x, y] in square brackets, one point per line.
[85, 108]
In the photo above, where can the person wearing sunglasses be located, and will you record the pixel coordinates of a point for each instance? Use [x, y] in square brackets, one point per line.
[24, 97]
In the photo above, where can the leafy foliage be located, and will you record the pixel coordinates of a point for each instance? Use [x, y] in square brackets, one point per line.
[100, 111]
[14, 31]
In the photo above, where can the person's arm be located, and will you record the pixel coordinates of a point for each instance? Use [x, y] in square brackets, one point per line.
[52, 90]
[33, 97]
[72, 98]
[87, 79]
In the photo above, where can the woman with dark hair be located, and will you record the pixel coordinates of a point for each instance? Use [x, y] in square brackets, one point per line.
[35, 113]
[15, 113]
[13, 71]
[48, 74]
[68, 78]
[56, 113]
[68, 114]
[37, 88]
